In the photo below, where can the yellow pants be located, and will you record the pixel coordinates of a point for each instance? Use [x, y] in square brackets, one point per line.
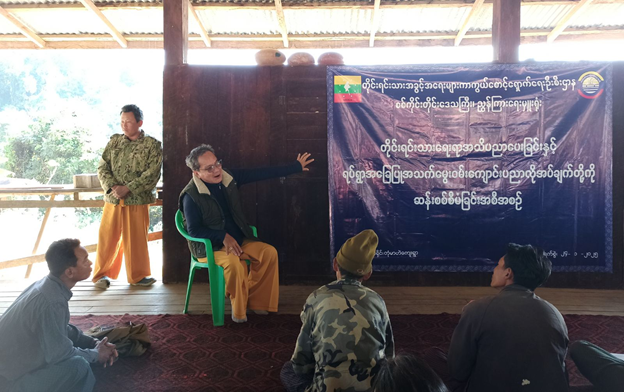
[258, 290]
[123, 232]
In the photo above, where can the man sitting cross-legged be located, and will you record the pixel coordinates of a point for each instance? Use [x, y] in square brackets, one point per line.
[346, 332]
[39, 349]
[512, 341]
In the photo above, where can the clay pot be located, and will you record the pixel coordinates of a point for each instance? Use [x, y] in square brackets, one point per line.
[300, 58]
[330, 58]
[270, 57]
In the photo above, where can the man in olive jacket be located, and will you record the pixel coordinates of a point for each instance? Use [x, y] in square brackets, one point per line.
[128, 171]
[212, 209]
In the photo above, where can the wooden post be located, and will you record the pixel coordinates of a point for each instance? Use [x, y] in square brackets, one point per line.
[41, 229]
[175, 136]
[506, 31]
[175, 17]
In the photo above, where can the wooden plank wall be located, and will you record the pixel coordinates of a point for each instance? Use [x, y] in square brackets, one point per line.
[263, 116]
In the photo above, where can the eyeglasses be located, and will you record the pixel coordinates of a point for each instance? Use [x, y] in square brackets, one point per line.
[211, 168]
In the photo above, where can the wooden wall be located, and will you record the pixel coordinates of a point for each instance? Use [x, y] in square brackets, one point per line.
[262, 116]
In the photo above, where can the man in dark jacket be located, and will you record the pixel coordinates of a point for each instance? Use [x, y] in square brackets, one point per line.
[212, 209]
[513, 341]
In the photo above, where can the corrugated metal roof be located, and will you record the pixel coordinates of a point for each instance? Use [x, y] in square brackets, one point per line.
[319, 21]
[312, 20]
[601, 15]
[543, 17]
[7, 28]
[422, 20]
[239, 21]
[482, 21]
[133, 21]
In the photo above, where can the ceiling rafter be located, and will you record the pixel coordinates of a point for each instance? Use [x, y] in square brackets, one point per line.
[369, 38]
[196, 41]
[292, 6]
[467, 22]
[567, 19]
[374, 23]
[113, 31]
[202, 28]
[23, 28]
[282, 21]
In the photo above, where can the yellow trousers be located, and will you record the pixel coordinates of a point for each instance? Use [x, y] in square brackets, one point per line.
[123, 232]
[258, 289]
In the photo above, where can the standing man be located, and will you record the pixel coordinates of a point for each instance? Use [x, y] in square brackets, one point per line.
[346, 333]
[39, 350]
[128, 171]
[212, 209]
[512, 341]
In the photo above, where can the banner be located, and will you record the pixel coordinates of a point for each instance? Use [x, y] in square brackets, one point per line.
[449, 164]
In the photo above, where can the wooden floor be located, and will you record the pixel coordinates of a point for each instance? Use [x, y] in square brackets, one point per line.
[121, 298]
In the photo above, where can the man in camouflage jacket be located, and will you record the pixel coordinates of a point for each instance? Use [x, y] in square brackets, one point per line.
[128, 171]
[346, 331]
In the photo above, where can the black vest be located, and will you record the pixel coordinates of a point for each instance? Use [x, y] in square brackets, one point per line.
[212, 214]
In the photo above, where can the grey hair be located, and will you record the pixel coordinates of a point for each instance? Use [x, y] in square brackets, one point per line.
[192, 160]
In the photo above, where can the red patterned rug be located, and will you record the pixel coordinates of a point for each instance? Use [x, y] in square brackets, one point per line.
[189, 354]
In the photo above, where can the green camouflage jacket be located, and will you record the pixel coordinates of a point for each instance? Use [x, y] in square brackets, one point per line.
[135, 164]
[345, 333]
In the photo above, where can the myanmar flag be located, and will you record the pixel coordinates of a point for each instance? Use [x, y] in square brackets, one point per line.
[347, 89]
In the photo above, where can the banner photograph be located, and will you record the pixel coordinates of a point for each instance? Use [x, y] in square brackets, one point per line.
[448, 164]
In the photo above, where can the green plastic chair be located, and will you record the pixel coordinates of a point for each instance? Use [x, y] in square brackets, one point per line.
[215, 273]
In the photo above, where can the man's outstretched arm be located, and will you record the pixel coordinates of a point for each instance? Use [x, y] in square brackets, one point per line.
[246, 176]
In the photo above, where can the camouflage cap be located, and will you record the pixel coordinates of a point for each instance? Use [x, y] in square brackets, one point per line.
[356, 255]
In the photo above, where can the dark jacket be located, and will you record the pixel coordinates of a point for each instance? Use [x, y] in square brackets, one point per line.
[513, 341]
[212, 213]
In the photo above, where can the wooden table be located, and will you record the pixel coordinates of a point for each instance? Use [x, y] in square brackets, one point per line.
[78, 197]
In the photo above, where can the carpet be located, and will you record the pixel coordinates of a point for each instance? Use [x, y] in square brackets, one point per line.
[189, 354]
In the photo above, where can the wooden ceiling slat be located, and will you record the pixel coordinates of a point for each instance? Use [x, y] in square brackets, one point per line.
[567, 19]
[374, 23]
[154, 41]
[292, 6]
[320, 40]
[468, 21]
[23, 28]
[202, 29]
[282, 21]
[113, 31]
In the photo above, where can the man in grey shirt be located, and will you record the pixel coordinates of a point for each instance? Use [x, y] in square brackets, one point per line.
[39, 349]
[512, 341]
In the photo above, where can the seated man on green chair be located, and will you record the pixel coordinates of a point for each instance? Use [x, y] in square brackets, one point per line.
[212, 209]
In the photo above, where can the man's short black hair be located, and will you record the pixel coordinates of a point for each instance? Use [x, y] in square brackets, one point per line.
[192, 160]
[60, 255]
[531, 268]
[407, 373]
[134, 109]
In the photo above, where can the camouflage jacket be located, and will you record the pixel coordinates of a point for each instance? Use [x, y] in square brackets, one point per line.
[135, 164]
[345, 333]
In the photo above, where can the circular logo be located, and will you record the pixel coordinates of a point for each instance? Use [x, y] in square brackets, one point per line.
[592, 85]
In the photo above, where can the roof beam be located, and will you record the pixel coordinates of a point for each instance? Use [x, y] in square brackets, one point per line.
[567, 19]
[468, 21]
[27, 31]
[56, 41]
[113, 31]
[103, 6]
[282, 21]
[374, 23]
[202, 29]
